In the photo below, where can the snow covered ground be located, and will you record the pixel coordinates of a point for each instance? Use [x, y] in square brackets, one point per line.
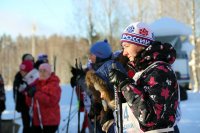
[190, 122]
[64, 106]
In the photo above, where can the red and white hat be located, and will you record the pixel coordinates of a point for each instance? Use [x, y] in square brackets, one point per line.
[138, 33]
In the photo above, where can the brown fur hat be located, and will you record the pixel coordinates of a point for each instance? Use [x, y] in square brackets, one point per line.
[94, 81]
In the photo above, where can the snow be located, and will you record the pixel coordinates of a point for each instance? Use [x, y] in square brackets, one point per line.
[64, 107]
[169, 27]
[190, 122]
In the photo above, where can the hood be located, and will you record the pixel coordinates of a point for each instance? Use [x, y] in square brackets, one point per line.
[99, 63]
[156, 51]
[103, 71]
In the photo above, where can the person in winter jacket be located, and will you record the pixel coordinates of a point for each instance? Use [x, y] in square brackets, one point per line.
[46, 109]
[2, 98]
[101, 58]
[78, 82]
[19, 97]
[152, 94]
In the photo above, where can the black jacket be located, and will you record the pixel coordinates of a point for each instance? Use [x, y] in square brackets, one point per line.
[2, 95]
[19, 98]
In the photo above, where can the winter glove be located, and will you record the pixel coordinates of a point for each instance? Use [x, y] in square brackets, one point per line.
[106, 116]
[31, 91]
[22, 87]
[73, 82]
[118, 79]
[77, 74]
[107, 120]
[95, 110]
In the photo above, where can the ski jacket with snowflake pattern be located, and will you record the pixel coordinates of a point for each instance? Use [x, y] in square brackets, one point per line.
[153, 97]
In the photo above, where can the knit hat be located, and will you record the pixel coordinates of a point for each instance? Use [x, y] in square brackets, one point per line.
[138, 33]
[45, 66]
[43, 57]
[101, 49]
[26, 66]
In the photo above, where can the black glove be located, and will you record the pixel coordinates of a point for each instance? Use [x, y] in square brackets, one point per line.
[73, 81]
[31, 91]
[118, 78]
[107, 115]
[95, 110]
[77, 74]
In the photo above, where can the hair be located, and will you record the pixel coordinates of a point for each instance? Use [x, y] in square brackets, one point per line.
[95, 82]
[25, 55]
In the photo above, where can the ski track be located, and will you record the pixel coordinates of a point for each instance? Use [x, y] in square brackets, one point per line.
[190, 121]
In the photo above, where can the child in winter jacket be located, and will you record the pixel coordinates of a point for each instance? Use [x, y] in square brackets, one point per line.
[152, 94]
[19, 97]
[101, 58]
[46, 109]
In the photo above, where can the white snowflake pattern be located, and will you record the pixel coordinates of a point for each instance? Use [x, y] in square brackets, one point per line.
[169, 82]
[149, 48]
[148, 57]
[153, 97]
[146, 88]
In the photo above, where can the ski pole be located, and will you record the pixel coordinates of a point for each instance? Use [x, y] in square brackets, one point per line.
[116, 110]
[15, 89]
[76, 65]
[31, 111]
[70, 110]
[54, 63]
[79, 111]
[69, 120]
[120, 111]
[39, 114]
[79, 93]
[116, 103]
[95, 123]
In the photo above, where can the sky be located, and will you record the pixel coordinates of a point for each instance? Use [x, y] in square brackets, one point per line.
[49, 16]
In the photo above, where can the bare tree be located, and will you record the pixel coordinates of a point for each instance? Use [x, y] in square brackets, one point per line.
[195, 67]
[109, 7]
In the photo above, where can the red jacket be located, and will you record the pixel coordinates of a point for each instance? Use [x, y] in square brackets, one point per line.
[48, 93]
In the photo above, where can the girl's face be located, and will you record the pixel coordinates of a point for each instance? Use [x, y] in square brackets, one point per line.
[131, 50]
[44, 74]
